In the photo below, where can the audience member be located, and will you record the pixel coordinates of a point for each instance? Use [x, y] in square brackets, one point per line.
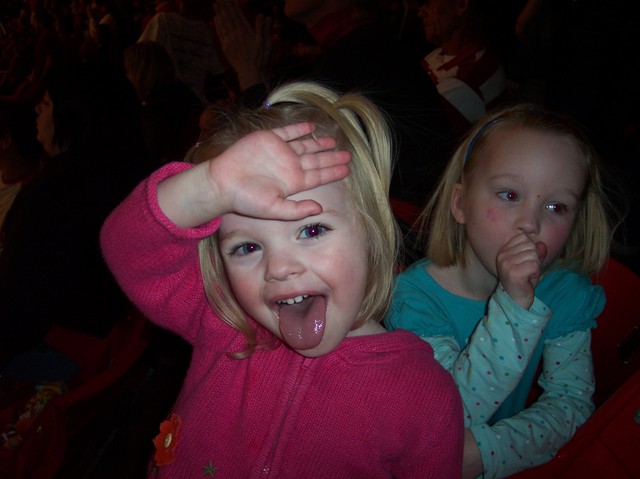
[105, 35]
[171, 111]
[161, 6]
[358, 51]
[467, 73]
[188, 39]
[17, 53]
[103, 12]
[48, 48]
[20, 152]
[51, 269]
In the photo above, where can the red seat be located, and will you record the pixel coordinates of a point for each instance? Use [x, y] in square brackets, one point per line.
[104, 367]
[405, 211]
[616, 340]
[608, 444]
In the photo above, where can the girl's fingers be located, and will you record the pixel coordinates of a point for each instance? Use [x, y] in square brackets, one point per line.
[520, 238]
[312, 145]
[522, 243]
[295, 131]
[288, 210]
[322, 176]
[324, 159]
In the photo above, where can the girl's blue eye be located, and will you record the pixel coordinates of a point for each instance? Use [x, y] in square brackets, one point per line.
[558, 208]
[245, 249]
[313, 231]
[508, 195]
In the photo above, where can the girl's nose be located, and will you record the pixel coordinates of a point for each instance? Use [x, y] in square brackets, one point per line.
[282, 265]
[528, 222]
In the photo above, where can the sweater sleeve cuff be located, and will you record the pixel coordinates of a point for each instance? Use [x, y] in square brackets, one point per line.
[171, 169]
[537, 315]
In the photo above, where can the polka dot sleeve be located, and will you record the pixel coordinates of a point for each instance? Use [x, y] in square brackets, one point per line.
[491, 364]
[533, 436]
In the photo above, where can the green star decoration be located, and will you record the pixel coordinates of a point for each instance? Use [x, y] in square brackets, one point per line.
[209, 470]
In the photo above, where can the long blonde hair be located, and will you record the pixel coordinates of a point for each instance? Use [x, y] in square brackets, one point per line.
[588, 244]
[358, 127]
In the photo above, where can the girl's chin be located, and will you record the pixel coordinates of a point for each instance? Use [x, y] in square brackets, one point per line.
[315, 352]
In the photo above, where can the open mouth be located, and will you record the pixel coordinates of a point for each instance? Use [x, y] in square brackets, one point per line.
[296, 300]
[302, 320]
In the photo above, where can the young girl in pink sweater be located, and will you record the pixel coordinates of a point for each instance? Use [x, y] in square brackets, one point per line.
[274, 258]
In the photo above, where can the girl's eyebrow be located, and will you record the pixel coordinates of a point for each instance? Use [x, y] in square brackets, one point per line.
[521, 179]
[223, 236]
[508, 176]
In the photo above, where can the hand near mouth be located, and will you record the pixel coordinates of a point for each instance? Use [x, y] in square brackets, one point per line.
[519, 265]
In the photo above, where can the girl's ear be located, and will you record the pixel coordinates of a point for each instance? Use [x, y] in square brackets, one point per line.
[457, 204]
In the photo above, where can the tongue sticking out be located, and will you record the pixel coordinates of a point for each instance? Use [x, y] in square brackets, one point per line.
[302, 324]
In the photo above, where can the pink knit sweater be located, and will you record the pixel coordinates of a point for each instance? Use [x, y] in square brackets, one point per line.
[376, 407]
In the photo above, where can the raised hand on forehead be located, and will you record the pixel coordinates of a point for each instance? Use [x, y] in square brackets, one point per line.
[255, 175]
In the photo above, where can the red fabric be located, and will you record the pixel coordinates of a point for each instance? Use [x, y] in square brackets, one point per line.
[606, 446]
[618, 326]
[408, 212]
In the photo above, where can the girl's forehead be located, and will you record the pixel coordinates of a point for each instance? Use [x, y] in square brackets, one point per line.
[515, 142]
[526, 152]
[332, 197]
[331, 191]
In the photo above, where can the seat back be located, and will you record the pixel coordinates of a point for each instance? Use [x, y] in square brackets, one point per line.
[607, 445]
[616, 340]
[105, 367]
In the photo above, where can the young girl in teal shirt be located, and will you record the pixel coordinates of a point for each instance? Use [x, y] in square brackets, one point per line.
[515, 227]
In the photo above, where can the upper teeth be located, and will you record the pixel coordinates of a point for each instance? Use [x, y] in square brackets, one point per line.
[297, 299]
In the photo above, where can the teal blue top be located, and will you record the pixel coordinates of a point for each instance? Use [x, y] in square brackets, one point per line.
[493, 349]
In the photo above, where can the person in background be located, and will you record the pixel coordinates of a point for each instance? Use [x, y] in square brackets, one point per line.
[188, 39]
[274, 258]
[161, 6]
[170, 110]
[518, 223]
[20, 153]
[359, 50]
[464, 68]
[51, 269]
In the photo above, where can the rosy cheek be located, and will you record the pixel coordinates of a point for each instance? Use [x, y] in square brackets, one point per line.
[491, 215]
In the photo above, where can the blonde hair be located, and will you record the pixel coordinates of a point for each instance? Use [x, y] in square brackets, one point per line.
[358, 127]
[588, 244]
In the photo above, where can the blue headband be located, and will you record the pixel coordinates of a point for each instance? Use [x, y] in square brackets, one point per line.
[489, 124]
[477, 136]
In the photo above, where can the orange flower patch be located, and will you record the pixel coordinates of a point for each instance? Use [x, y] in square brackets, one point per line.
[167, 441]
